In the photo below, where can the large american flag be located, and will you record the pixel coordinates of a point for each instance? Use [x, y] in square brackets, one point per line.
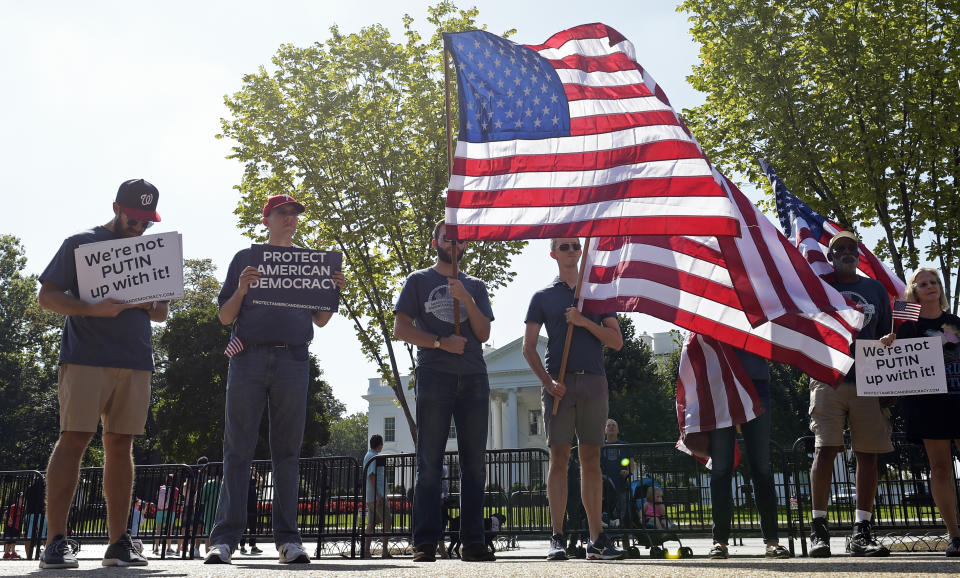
[755, 292]
[572, 137]
[811, 233]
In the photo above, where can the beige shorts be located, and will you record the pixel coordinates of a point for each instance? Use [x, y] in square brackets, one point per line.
[379, 513]
[870, 425]
[89, 394]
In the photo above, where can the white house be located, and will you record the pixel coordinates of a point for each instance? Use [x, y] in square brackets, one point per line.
[516, 417]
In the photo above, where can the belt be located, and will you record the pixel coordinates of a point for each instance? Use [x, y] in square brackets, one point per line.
[272, 345]
[577, 372]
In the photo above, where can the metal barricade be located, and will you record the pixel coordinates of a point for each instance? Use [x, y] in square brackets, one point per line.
[22, 509]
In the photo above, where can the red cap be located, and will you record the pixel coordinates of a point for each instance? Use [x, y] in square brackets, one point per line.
[277, 200]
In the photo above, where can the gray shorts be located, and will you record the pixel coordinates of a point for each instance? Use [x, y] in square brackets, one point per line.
[582, 411]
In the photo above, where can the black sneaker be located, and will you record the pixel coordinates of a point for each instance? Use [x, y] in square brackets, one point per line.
[123, 553]
[477, 552]
[557, 551]
[425, 553]
[61, 553]
[862, 543]
[819, 539]
[602, 549]
[953, 548]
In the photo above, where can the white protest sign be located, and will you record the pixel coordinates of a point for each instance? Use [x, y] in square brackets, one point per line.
[908, 367]
[133, 270]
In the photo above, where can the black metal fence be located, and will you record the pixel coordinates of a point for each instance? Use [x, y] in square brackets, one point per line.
[174, 504]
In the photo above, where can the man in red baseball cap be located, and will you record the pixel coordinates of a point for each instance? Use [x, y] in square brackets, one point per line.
[106, 362]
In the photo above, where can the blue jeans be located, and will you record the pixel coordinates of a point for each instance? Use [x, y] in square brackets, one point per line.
[756, 437]
[275, 378]
[467, 399]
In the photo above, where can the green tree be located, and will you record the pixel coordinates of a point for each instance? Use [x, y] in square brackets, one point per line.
[855, 104]
[642, 398]
[29, 347]
[354, 128]
[348, 437]
[190, 383]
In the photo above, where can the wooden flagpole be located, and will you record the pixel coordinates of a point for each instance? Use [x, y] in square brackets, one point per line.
[446, 98]
[566, 343]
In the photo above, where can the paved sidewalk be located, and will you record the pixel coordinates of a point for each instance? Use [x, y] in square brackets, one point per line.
[526, 562]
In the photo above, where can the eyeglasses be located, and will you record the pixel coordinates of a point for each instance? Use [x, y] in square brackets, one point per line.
[135, 222]
[923, 284]
[568, 246]
[446, 240]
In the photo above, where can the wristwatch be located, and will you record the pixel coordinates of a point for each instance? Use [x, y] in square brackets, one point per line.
[436, 343]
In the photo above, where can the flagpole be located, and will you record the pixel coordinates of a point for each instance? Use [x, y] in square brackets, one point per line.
[446, 98]
[576, 303]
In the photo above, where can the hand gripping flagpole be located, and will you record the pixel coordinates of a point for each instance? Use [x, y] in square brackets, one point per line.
[566, 343]
[446, 98]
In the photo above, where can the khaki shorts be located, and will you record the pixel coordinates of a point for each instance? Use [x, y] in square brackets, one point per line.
[89, 394]
[379, 513]
[583, 411]
[870, 425]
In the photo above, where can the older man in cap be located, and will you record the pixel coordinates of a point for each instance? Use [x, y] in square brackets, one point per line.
[269, 367]
[106, 361]
[831, 408]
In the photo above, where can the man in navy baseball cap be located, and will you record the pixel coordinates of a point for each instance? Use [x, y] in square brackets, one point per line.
[137, 199]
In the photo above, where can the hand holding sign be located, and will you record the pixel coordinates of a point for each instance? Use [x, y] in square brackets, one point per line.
[908, 367]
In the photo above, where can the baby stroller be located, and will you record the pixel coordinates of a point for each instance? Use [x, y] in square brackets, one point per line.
[656, 528]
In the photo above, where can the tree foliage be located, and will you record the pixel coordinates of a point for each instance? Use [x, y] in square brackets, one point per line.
[854, 103]
[642, 397]
[354, 128]
[29, 347]
[190, 384]
[348, 437]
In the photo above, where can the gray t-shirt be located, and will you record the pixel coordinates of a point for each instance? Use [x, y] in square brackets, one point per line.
[872, 299]
[264, 323]
[122, 341]
[425, 297]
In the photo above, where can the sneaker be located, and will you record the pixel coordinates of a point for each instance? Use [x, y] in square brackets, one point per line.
[557, 551]
[14, 556]
[293, 553]
[425, 553]
[61, 553]
[953, 548]
[819, 538]
[718, 552]
[123, 553]
[218, 554]
[255, 550]
[171, 552]
[777, 551]
[138, 544]
[243, 549]
[602, 549]
[862, 543]
[477, 552]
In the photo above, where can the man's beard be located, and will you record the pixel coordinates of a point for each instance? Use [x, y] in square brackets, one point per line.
[444, 255]
[122, 231]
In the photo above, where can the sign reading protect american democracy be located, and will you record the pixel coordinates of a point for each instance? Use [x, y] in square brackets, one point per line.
[908, 367]
[295, 277]
[133, 270]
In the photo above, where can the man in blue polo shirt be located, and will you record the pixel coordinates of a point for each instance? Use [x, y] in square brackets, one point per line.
[271, 370]
[106, 361]
[451, 381]
[583, 394]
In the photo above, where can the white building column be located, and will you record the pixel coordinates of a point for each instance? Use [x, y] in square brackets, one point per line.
[496, 421]
[513, 420]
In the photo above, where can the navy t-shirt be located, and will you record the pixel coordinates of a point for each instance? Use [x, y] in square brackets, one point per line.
[264, 323]
[872, 300]
[122, 341]
[425, 297]
[758, 370]
[548, 307]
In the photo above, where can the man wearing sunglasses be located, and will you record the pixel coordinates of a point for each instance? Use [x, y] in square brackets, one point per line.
[583, 394]
[106, 361]
[451, 381]
[269, 370]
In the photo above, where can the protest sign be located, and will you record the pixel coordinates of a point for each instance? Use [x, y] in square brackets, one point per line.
[295, 277]
[908, 367]
[133, 270]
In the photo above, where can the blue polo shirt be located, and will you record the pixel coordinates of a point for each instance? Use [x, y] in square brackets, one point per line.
[548, 307]
[264, 323]
[122, 341]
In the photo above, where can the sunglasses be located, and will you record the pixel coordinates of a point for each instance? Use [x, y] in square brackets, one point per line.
[446, 240]
[135, 222]
[568, 246]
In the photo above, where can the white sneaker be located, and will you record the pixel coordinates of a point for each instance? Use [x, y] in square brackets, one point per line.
[218, 554]
[293, 553]
[138, 544]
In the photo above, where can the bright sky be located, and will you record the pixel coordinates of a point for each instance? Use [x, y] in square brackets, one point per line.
[98, 92]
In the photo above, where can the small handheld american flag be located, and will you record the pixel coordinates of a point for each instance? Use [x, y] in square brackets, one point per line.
[906, 311]
[234, 347]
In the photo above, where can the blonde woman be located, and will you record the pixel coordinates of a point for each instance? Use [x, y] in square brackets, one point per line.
[933, 418]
